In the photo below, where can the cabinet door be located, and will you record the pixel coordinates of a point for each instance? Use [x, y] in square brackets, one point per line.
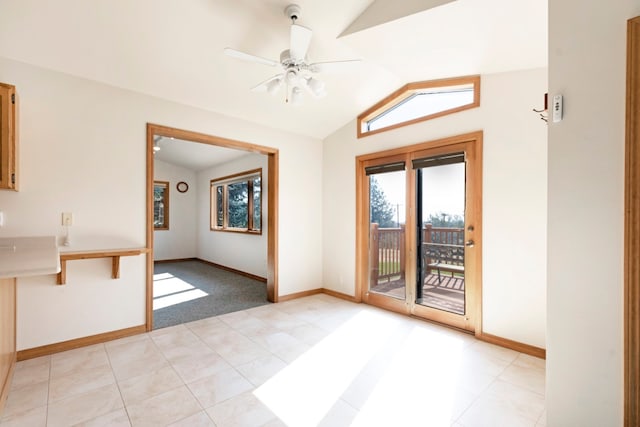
[8, 131]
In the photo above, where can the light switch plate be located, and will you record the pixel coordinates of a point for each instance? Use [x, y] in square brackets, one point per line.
[67, 218]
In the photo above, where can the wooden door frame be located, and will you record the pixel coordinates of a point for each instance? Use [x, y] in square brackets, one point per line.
[272, 203]
[632, 230]
[362, 223]
[363, 228]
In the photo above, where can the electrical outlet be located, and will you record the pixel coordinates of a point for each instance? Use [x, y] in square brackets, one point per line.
[67, 218]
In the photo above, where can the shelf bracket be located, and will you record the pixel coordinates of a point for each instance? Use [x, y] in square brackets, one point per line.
[113, 254]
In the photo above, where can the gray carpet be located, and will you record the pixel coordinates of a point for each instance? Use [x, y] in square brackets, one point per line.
[227, 292]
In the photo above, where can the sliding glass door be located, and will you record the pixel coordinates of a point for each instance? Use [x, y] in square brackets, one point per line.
[419, 233]
[441, 196]
[387, 204]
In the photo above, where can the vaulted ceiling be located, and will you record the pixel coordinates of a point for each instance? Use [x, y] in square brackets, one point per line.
[174, 49]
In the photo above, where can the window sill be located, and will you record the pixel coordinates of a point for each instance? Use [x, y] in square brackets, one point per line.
[235, 230]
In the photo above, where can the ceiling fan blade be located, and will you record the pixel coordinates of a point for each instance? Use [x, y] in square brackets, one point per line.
[248, 57]
[328, 66]
[300, 40]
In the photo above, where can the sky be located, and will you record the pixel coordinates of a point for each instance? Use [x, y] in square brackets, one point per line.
[443, 190]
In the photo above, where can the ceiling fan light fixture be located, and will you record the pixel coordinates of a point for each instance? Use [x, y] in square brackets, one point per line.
[296, 96]
[292, 77]
[274, 85]
[317, 87]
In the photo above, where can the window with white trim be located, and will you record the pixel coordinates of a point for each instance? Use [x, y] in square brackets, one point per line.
[236, 202]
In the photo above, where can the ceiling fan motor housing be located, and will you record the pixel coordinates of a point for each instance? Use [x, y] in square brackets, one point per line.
[288, 62]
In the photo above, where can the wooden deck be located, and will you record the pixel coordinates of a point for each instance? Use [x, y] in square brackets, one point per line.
[446, 295]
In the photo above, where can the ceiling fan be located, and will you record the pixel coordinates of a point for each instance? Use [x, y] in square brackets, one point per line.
[297, 72]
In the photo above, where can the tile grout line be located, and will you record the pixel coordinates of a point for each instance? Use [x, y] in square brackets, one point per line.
[115, 378]
[184, 383]
[46, 413]
[484, 390]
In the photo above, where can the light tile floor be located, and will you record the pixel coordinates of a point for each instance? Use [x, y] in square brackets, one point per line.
[307, 362]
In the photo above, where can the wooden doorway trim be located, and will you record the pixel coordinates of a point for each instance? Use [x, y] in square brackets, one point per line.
[632, 230]
[272, 203]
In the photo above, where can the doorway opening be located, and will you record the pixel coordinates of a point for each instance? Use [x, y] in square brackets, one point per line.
[419, 230]
[156, 206]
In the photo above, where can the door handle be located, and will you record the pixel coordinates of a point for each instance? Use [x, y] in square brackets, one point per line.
[470, 243]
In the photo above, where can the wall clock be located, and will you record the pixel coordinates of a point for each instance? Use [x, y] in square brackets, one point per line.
[182, 187]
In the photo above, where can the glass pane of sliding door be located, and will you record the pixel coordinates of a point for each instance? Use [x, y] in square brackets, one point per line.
[441, 247]
[387, 206]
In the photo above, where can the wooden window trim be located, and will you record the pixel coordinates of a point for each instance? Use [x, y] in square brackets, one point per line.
[411, 88]
[166, 184]
[247, 176]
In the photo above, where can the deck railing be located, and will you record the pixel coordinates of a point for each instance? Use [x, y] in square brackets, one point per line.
[444, 235]
[389, 246]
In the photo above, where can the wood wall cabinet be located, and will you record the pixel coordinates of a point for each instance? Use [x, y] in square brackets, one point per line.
[8, 137]
[7, 336]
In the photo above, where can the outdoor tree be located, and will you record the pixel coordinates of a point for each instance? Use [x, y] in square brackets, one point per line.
[443, 219]
[238, 194]
[382, 212]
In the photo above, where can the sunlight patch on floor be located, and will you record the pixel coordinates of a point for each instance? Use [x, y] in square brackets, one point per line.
[169, 290]
[418, 385]
[305, 391]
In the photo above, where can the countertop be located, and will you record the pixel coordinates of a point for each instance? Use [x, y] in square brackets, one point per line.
[28, 256]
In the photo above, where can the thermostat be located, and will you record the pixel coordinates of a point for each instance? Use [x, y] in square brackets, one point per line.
[557, 108]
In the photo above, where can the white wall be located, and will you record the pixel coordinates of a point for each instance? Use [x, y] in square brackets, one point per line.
[179, 241]
[514, 197]
[83, 150]
[587, 60]
[241, 251]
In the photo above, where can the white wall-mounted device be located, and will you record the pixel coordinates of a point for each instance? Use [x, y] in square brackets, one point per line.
[556, 108]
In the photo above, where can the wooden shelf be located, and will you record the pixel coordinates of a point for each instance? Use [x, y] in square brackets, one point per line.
[114, 254]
